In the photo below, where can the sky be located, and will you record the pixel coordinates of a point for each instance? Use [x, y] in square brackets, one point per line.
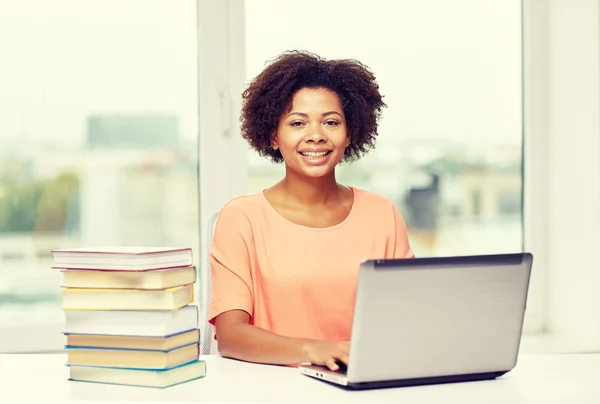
[447, 69]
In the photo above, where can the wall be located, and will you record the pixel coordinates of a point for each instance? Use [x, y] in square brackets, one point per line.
[563, 167]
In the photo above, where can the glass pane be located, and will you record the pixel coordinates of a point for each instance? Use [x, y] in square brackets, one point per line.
[98, 138]
[449, 146]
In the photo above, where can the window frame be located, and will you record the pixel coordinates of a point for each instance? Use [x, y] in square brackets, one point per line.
[562, 142]
[535, 157]
[221, 80]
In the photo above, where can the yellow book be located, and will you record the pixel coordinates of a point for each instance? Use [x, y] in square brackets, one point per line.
[159, 279]
[130, 358]
[127, 299]
[133, 342]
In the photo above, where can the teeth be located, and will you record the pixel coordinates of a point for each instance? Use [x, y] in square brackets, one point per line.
[315, 154]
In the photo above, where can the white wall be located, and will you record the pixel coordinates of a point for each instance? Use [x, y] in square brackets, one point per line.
[562, 110]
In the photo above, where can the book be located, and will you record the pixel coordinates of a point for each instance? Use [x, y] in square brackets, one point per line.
[139, 377]
[122, 258]
[127, 299]
[150, 323]
[133, 342]
[157, 279]
[129, 315]
[132, 358]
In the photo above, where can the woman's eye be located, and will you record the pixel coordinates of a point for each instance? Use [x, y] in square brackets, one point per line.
[296, 123]
[331, 123]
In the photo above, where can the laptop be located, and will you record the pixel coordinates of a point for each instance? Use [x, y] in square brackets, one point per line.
[434, 320]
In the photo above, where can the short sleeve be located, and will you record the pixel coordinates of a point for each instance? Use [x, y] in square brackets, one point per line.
[402, 248]
[230, 262]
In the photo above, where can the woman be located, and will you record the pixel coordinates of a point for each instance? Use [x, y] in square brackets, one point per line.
[285, 261]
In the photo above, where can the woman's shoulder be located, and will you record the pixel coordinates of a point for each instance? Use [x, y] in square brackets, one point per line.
[372, 201]
[236, 216]
[245, 205]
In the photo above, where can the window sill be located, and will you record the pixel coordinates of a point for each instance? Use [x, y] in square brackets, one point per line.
[550, 343]
[32, 339]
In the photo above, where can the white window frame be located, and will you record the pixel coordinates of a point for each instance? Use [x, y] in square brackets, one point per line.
[222, 152]
[535, 156]
[562, 143]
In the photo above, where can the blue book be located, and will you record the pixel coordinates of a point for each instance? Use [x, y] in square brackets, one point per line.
[193, 370]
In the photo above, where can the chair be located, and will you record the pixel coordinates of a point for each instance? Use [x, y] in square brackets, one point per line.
[208, 344]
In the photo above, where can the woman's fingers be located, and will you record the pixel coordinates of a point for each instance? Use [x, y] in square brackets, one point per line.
[339, 357]
[330, 363]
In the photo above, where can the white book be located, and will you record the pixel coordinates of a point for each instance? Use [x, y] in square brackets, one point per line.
[122, 258]
[134, 323]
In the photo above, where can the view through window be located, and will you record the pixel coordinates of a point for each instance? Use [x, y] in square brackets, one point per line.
[448, 152]
[98, 138]
[98, 130]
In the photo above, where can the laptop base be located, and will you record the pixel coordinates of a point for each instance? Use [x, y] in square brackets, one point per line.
[384, 384]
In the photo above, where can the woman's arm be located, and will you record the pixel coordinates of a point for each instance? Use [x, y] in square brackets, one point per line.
[239, 339]
[231, 304]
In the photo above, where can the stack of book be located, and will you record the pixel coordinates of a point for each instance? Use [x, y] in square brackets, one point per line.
[129, 315]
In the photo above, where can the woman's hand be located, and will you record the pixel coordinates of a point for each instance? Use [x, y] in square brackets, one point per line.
[240, 340]
[327, 353]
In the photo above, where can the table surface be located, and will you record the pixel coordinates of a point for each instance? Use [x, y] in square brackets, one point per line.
[536, 379]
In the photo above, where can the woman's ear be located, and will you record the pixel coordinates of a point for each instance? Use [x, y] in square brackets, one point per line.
[274, 143]
[348, 140]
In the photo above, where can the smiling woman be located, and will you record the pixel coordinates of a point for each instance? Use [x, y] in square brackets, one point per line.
[285, 260]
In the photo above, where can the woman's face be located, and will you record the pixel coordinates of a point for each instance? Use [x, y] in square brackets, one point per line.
[312, 136]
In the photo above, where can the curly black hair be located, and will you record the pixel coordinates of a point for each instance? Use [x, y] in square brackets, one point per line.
[270, 95]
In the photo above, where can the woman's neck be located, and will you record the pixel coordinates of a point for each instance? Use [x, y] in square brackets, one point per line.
[311, 191]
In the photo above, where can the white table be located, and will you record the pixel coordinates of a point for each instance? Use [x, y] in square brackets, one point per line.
[536, 379]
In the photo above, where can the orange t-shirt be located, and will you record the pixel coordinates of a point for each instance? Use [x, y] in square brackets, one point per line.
[299, 281]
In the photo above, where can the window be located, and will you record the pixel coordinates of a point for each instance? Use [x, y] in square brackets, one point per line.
[91, 96]
[449, 148]
[98, 143]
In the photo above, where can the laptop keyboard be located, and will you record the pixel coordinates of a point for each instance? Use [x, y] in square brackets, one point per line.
[342, 368]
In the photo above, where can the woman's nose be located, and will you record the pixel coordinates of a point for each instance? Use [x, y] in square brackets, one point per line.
[316, 134]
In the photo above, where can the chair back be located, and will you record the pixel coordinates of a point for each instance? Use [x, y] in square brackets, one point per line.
[208, 344]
